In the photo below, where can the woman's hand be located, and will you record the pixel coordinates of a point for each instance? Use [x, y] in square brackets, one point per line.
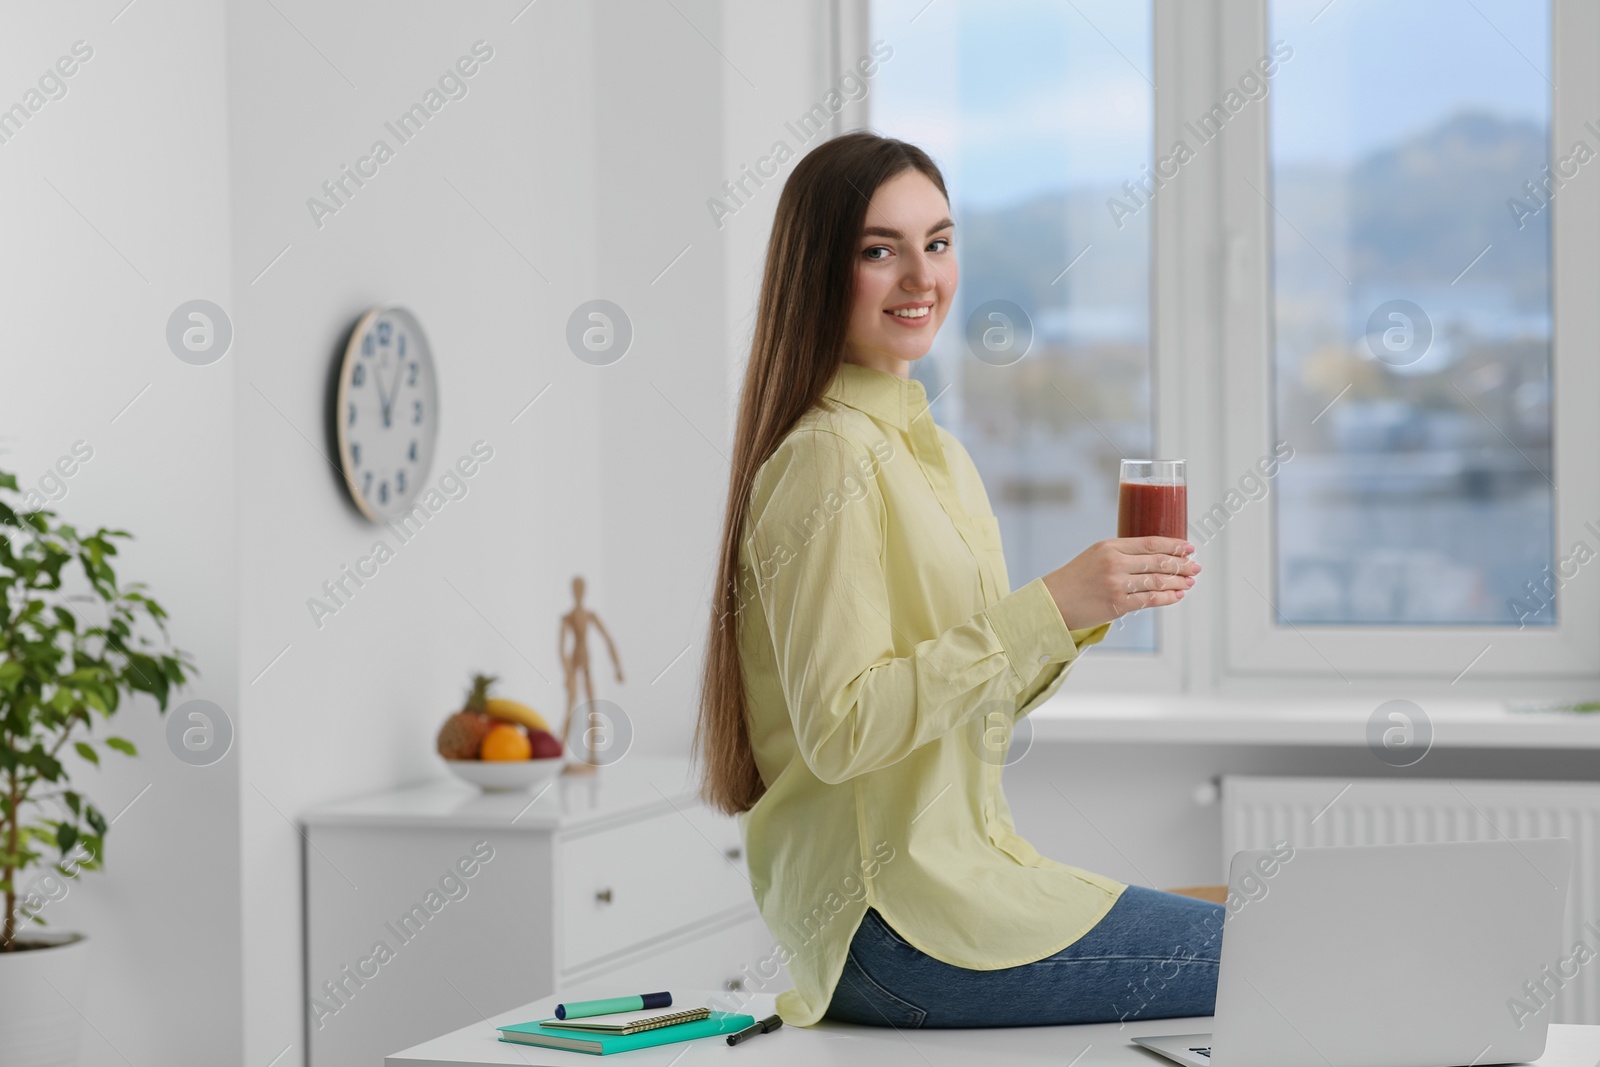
[1113, 577]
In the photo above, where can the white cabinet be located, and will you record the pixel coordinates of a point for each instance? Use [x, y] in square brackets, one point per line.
[727, 957]
[624, 885]
[432, 907]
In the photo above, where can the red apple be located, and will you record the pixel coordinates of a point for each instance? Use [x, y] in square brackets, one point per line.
[545, 744]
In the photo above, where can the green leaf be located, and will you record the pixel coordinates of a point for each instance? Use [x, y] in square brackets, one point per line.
[122, 745]
[95, 845]
[87, 752]
[66, 837]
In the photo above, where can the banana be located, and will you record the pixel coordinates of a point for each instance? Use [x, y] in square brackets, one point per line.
[512, 711]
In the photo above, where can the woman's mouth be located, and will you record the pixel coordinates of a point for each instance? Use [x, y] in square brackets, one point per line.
[910, 316]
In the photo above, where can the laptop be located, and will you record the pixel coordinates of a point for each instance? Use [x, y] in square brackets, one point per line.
[1385, 956]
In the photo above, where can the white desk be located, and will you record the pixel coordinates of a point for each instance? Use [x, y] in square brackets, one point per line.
[843, 1045]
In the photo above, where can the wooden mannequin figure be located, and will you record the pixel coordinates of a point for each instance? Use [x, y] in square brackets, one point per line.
[577, 622]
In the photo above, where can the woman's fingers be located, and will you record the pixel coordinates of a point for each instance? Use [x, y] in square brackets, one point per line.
[1147, 583]
[1139, 599]
[1164, 555]
[1153, 546]
[1159, 599]
[1162, 564]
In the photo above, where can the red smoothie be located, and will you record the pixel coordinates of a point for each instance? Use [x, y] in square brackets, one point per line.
[1145, 510]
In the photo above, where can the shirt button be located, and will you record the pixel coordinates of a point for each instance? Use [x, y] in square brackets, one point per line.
[1044, 659]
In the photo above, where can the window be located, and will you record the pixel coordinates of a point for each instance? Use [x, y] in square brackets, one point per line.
[1359, 299]
[1381, 234]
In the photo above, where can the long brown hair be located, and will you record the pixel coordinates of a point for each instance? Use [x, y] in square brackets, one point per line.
[801, 322]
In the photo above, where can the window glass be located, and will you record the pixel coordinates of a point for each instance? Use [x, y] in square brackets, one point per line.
[1410, 200]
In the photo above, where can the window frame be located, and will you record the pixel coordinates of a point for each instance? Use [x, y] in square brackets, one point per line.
[1472, 659]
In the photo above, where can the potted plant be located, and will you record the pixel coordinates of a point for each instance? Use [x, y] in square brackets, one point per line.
[58, 673]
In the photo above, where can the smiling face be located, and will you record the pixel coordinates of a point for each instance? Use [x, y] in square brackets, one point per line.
[905, 274]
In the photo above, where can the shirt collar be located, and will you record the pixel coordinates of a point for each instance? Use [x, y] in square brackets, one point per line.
[886, 397]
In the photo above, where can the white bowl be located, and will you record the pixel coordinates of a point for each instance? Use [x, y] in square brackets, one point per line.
[506, 776]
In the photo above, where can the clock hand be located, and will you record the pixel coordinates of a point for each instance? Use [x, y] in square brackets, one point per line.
[388, 407]
[385, 398]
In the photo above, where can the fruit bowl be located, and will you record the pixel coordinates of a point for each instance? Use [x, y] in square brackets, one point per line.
[506, 776]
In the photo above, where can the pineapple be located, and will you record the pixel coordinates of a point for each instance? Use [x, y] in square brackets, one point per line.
[463, 732]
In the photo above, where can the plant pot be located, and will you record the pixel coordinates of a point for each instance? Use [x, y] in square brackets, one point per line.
[42, 987]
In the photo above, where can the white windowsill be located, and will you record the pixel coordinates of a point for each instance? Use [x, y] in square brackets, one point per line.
[1109, 718]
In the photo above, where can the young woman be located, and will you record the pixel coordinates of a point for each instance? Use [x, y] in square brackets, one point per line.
[867, 657]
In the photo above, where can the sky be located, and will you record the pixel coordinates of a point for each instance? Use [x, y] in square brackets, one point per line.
[1013, 97]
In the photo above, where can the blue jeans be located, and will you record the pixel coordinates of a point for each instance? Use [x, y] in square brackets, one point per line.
[1153, 956]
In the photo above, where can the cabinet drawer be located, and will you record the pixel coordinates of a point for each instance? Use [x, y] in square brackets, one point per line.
[641, 880]
[730, 959]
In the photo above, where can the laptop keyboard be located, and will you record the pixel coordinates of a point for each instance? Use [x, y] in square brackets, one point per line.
[1206, 1051]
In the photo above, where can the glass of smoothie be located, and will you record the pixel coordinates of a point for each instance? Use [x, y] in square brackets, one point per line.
[1153, 499]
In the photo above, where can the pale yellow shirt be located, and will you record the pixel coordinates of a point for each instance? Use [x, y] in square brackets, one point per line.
[885, 661]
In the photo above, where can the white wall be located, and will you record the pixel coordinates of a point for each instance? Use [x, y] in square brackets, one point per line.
[116, 211]
[584, 151]
[659, 85]
[684, 98]
[495, 191]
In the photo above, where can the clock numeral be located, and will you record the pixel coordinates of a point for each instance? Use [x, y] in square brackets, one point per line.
[366, 485]
[401, 340]
[416, 414]
[352, 420]
[384, 330]
[412, 454]
[400, 481]
[355, 454]
[358, 376]
[366, 345]
[383, 492]
[413, 379]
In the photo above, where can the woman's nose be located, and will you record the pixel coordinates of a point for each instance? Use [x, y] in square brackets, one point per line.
[919, 274]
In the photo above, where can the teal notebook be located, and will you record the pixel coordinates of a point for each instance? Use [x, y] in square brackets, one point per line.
[718, 1022]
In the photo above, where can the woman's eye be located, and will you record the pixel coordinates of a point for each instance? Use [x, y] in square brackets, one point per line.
[876, 248]
[940, 241]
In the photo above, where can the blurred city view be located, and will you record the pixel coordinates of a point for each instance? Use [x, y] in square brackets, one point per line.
[1411, 367]
[1410, 296]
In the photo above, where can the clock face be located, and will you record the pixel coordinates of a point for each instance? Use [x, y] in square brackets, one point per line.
[387, 412]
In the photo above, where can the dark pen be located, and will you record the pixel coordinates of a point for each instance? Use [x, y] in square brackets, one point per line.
[763, 1026]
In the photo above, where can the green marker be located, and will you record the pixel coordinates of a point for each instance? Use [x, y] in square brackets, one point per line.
[582, 1009]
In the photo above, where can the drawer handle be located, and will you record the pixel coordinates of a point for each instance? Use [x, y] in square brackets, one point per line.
[733, 984]
[603, 895]
[734, 853]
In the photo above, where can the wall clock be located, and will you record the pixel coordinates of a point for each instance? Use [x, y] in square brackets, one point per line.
[386, 412]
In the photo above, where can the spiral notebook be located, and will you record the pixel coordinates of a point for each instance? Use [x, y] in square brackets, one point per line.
[601, 1044]
[627, 1022]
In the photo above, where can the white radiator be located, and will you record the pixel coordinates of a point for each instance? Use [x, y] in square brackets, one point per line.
[1260, 812]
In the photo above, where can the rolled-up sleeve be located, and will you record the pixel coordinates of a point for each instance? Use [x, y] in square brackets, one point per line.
[816, 542]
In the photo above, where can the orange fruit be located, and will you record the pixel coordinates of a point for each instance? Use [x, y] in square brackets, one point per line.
[505, 741]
